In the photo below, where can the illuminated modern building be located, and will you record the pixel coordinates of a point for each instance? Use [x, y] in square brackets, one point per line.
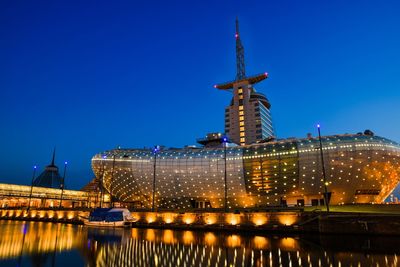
[360, 168]
[247, 118]
[262, 171]
[13, 195]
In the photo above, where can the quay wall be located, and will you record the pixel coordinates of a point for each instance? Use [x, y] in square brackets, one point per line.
[63, 215]
[271, 221]
[219, 219]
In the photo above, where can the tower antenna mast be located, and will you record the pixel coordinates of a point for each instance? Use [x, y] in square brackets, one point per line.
[240, 67]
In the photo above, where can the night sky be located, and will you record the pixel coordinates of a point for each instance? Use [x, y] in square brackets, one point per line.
[87, 76]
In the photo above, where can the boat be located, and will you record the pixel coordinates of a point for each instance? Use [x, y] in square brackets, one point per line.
[109, 217]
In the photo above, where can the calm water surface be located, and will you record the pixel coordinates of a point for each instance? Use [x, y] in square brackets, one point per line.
[50, 244]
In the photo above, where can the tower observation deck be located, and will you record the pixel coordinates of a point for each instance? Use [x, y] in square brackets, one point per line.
[247, 118]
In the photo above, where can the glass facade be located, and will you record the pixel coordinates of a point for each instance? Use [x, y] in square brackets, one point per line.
[266, 119]
[359, 169]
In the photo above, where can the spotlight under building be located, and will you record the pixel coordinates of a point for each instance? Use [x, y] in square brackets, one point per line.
[254, 170]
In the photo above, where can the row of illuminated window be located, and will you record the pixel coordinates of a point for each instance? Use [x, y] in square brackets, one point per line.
[240, 93]
[242, 133]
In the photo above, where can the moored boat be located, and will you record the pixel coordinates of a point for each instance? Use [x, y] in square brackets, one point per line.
[109, 217]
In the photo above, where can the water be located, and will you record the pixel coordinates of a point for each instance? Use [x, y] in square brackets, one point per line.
[54, 244]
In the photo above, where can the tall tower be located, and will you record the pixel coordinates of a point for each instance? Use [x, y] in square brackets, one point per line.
[248, 117]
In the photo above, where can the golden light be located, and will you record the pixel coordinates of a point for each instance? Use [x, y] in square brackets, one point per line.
[259, 219]
[232, 219]
[42, 238]
[134, 233]
[233, 241]
[189, 218]
[169, 217]
[33, 213]
[168, 237]
[60, 214]
[150, 217]
[210, 218]
[135, 216]
[289, 243]
[150, 235]
[261, 242]
[188, 237]
[287, 219]
[50, 214]
[70, 215]
[42, 213]
[210, 239]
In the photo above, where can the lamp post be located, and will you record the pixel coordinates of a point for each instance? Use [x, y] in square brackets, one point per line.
[30, 194]
[102, 181]
[112, 180]
[63, 183]
[225, 177]
[155, 150]
[262, 175]
[326, 197]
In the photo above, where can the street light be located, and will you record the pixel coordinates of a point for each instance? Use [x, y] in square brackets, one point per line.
[262, 175]
[225, 140]
[33, 178]
[112, 179]
[155, 150]
[326, 194]
[102, 181]
[63, 183]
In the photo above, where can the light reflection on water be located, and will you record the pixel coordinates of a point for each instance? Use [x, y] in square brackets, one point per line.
[50, 244]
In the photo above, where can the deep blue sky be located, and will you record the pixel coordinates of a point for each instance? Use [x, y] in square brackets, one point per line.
[87, 76]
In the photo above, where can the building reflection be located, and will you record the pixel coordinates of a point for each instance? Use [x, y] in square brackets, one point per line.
[38, 237]
[40, 243]
[154, 247]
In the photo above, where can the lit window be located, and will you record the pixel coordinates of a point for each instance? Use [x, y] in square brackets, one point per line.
[241, 118]
[242, 140]
[241, 123]
[241, 129]
[241, 134]
[240, 107]
[240, 91]
[241, 113]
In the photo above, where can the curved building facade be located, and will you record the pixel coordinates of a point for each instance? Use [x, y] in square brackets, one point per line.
[359, 169]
